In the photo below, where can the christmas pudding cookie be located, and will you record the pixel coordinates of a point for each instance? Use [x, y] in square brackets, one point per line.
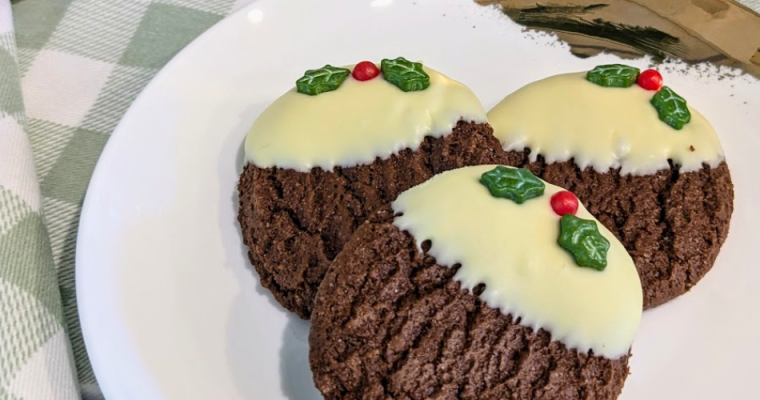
[482, 283]
[338, 146]
[647, 165]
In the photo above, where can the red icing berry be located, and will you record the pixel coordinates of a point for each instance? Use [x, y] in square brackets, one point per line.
[365, 71]
[650, 80]
[564, 202]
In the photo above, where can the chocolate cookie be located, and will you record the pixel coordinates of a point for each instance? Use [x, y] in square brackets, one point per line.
[647, 165]
[391, 321]
[319, 166]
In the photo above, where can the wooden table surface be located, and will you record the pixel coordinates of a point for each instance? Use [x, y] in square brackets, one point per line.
[722, 32]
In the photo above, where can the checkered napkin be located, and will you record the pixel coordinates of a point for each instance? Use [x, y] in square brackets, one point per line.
[67, 75]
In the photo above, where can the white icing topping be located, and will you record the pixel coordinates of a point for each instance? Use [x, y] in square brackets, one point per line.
[513, 250]
[357, 123]
[565, 116]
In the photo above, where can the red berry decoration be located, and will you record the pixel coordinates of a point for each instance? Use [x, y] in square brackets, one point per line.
[650, 80]
[365, 71]
[564, 203]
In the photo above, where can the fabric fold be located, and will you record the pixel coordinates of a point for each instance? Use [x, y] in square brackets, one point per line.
[36, 361]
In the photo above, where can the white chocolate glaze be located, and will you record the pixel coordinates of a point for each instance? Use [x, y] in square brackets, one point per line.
[513, 250]
[357, 123]
[565, 116]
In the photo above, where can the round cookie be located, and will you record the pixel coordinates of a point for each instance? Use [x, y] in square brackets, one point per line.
[451, 292]
[660, 184]
[318, 165]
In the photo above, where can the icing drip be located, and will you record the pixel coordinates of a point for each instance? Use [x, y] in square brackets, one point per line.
[512, 248]
[357, 123]
[565, 116]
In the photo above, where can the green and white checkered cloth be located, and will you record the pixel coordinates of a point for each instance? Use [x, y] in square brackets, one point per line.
[69, 69]
[68, 73]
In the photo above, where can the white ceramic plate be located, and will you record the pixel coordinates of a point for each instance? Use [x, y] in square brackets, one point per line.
[170, 308]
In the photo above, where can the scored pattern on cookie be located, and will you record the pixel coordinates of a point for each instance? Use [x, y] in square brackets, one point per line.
[390, 322]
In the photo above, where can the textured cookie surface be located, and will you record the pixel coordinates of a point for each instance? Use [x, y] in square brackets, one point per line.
[389, 323]
[672, 224]
[295, 223]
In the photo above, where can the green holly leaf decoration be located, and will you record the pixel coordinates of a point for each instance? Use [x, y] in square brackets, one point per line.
[406, 75]
[581, 238]
[516, 184]
[325, 79]
[671, 108]
[613, 75]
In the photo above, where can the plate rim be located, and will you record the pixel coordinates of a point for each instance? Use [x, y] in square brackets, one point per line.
[97, 176]
[87, 224]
